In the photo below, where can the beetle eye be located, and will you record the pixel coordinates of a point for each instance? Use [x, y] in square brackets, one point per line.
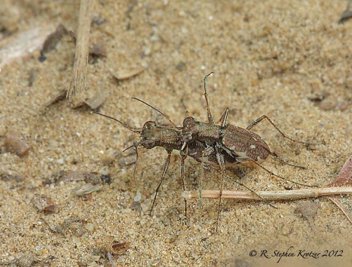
[149, 125]
[188, 122]
[149, 144]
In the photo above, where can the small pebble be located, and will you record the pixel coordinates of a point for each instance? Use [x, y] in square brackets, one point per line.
[90, 227]
[138, 196]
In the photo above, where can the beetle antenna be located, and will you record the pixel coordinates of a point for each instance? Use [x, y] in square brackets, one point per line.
[164, 115]
[122, 123]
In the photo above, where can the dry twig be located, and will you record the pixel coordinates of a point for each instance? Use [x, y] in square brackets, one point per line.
[267, 195]
[79, 79]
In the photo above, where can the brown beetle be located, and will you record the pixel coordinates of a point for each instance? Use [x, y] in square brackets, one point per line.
[170, 137]
[239, 143]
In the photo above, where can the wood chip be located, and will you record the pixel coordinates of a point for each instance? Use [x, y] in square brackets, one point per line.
[16, 144]
[73, 176]
[57, 96]
[89, 177]
[52, 40]
[44, 203]
[127, 73]
[86, 189]
[347, 14]
[119, 248]
[110, 245]
[93, 102]
[93, 178]
[343, 179]
[98, 50]
[97, 100]
[345, 176]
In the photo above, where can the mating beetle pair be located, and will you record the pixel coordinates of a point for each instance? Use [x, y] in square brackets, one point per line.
[218, 146]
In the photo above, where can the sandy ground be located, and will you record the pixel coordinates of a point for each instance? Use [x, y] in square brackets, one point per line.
[290, 60]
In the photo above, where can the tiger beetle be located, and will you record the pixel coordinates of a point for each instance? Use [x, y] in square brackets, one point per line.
[170, 137]
[243, 145]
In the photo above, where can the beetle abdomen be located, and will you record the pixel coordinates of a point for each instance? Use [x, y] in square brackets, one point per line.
[245, 144]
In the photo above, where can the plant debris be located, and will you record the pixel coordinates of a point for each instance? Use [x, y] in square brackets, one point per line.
[15, 143]
[44, 203]
[125, 74]
[79, 80]
[93, 103]
[97, 51]
[114, 247]
[52, 40]
[31, 78]
[72, 176]
[343, 179]
[345, 176]
[58, 96]
[86, 189]
[347, 14]
[88, 177]
[97, 100]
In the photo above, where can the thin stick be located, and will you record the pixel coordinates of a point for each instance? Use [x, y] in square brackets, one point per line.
[267, 195]
[255, 193]
[79, 79]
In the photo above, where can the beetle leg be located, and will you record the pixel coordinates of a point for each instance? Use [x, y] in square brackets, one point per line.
[263, 117]
[182, 171]
[221, 161]
[206, 152]
[223, 118]
[136, 164]
[247, 160]
[165, 167]
[282, 161]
